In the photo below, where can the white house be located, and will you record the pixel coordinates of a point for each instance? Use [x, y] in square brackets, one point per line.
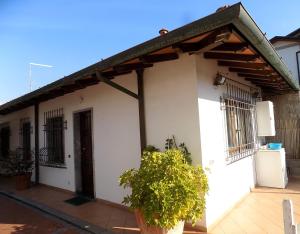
[287, 106]
[288, 48]
[88, 127]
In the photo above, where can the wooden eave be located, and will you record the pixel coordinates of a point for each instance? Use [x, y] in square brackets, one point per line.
[217, 37]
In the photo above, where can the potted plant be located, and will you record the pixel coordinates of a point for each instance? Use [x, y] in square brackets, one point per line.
[166, 191]
[22, 170]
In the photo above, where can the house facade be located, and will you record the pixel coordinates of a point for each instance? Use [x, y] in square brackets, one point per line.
[287, 106]
[87, 128]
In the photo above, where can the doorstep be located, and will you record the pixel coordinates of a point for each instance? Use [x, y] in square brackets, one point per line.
[83, 225]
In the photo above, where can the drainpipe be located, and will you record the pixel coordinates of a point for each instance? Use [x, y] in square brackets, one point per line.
[298, 69]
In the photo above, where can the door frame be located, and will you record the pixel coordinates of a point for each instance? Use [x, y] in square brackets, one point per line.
[77, 154]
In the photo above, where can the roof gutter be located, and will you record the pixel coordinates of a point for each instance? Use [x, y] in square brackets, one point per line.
[246, 25]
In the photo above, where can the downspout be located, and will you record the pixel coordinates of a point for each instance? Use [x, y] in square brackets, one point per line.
[298, 69]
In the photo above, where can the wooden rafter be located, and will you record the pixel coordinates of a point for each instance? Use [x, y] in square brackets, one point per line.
[212, 40]
[87, 82]
[130, 67]
[258, 76]
[230, 56]
[251, 71]
[264, 79]
[153, 58]
[265, 83]
[101, 78]
[242, 64]
[231, 46]
[270, 83]
[111, 74]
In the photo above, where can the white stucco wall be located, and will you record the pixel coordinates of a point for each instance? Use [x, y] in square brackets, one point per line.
[228, 183]
[170, 107]
[171, 104]
[115, 129]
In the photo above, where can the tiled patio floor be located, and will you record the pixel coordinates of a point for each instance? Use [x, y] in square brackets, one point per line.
[96, 212]
[27, 221]
[259, 212]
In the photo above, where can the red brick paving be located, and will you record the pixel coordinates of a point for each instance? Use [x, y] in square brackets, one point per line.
[16, 218]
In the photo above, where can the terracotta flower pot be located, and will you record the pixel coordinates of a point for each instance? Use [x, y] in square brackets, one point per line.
[145, 229]
[23, 181]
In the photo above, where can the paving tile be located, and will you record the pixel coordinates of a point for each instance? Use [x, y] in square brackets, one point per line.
[260, 212]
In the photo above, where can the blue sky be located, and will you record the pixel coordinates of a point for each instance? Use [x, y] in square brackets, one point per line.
[72, 34]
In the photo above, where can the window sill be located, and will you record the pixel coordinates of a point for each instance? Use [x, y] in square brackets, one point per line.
[238, 157]
[62, 166]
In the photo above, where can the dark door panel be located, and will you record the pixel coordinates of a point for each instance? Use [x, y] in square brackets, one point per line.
[26, 141]
[87, 171]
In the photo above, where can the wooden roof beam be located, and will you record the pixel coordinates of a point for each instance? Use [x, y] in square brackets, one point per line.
[112, 74]
[259, 76]
[265, 79]
[130, 67]
[251, 71]
[270, 83]
[212, 40]
[154, 58]
[231, 46]
[242, 64]
[230, 56]
[103, 79]
[265, 83]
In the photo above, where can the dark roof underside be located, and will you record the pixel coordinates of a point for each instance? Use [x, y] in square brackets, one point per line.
[293, 36]
[229, 36]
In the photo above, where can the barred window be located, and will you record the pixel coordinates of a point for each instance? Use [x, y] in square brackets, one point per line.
[53, 152]
[239, 112]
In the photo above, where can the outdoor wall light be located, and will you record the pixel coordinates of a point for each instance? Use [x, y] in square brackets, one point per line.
[220, 80]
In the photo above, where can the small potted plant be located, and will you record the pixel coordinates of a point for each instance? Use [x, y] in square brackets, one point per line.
[166, 191]
[22, 170]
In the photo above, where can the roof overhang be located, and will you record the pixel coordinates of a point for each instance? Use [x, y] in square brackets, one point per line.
[229, 36]
[284, 38]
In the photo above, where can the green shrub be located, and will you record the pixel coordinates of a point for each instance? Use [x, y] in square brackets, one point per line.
[166, 188]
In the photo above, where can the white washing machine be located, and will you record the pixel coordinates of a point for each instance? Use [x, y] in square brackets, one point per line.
[271, 168]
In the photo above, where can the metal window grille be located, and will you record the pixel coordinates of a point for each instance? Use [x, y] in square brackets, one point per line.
[53, 152]
[239, 107]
